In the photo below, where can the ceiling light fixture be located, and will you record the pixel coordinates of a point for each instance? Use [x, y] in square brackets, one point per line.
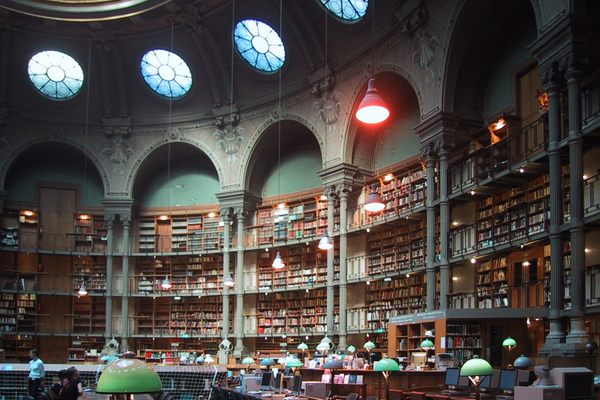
[228, 281]
[278, 262]
[374, 202]
[372, 108]
[82, 290]
[166, 283]
[326, 242]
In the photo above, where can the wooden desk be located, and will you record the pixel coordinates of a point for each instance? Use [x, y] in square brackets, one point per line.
[375, 383]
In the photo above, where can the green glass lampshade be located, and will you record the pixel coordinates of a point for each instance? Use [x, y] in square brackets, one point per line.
[128, 376]
[248, 360]
[427, 344]
[476, 367]
[509, 343]
[387, 364]
[294, 363]
[303, 346]
[351, 349]
[323, 347]
[267, 361]
[369, 346]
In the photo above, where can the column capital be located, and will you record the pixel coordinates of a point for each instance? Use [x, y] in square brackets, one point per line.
[340, 174]
[109, 220]
[125, 220]
[429, 154]
[442, 125]
[553, 78]
[238, 199]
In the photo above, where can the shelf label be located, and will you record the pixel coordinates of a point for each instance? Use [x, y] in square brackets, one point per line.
[418, 317]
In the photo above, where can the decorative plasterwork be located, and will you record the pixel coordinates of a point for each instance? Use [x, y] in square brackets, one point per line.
[329, 100]
[228, 134]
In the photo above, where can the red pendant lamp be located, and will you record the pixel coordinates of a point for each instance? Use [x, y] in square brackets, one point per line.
[374, 202]
[372, 108]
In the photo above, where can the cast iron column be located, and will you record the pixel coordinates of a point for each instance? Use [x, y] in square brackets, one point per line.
[444, 226]
[430, 209]
[330, 269]
[125, 295]
[577, 333]
[239, 285]
[225, 330]
[343, 193]
[553, 86]
[109, 221]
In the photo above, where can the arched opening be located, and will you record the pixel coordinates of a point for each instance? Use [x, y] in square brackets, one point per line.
[284, 163]
[393, 140]
[176, 175]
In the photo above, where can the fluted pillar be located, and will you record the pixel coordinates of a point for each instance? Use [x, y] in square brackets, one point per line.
[430, 210]
[239, 285]
[343, 289]
[125, 295]
[109, 221]
[577, 332]
[444, 227]
[553, 86]
[330, 267]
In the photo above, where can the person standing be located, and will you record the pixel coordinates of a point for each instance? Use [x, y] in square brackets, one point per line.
[36, 374]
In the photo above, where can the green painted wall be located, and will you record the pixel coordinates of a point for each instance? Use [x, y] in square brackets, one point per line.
[399, 141]
[499, 90]
[188, 184]
[298, 172]
[22, 180]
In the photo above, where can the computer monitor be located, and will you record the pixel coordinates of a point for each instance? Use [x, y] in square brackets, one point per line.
[250, 383]
[453, 380]
[419, 358]
[286, 371]
[490, 383]
[508, 380]
[265, 382]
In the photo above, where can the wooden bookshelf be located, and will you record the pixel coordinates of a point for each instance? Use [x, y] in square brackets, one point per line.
[178, 318]
[91, 272]
[189, 275]
[88, 315]
[179, 233]
[401, 248]
[492, 283]
[89, 232]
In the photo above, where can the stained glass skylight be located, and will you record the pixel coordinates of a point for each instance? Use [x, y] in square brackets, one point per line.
[55, 75]
[166, 73]
[348, 10]
[259, 45]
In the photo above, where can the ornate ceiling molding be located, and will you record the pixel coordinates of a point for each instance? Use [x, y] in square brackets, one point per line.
[83, 10]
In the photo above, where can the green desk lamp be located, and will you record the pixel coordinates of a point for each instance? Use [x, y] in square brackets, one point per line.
[248, 361]
[267, 362]
[294, 363]
[509, 343]
[369, 346]
[351, 349]
[303, 347]
[385, 366]
[128, 376]
[475, 369]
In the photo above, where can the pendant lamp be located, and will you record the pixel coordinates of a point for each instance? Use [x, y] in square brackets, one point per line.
[372, 108]
[82, 290]
[374, 202]
[228, 281]
[326, 242]
[278, 262]
[166, 283]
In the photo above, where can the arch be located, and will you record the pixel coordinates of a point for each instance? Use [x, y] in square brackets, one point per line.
[249, 151]
[462, 26]
[13, 155]
[350, 138]
[139, 162]
[252, 153]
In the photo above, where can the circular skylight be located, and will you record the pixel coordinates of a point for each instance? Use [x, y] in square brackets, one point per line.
[166, 73]
[55, 75]
[348, 10]
[259, 45]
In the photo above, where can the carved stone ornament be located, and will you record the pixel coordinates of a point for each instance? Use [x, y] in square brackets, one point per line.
[117, 149]
[328, 103]
[424, 53]
[228, 134]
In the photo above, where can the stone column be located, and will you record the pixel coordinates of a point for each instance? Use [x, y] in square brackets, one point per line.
[343, 193]
[239, 285]
[225, 326]
[444, 227]
[109, 221]
[553, 86]
[430, 209]
[125, 220]
[330, 268]
[577, 333]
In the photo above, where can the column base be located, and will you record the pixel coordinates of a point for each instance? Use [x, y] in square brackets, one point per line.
[124, 345]
[223, 357]
[577, 333]
[566, 355]
[238, 351]
[342, 345]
